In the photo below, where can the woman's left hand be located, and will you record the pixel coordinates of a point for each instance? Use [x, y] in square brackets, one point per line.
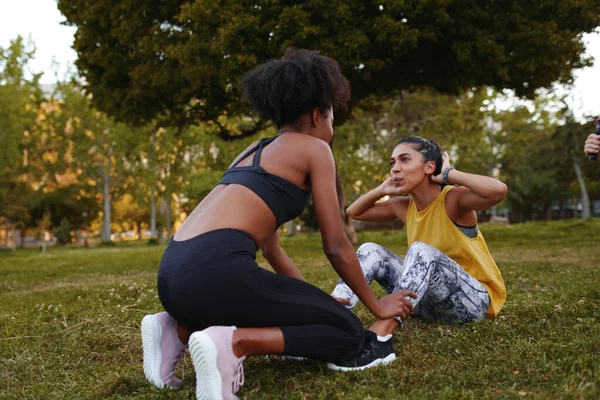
[445, 164]
[345, 302]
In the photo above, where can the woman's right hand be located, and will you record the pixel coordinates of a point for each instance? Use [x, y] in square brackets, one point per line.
[396, 305]
[592, 144]
[387, 187]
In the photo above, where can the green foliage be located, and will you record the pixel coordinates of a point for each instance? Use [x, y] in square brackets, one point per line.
[568, 139]
[80, 309]
[63, 232]
[181, 60]
[20, 97]
[529, 169]
[209, 156]
[538, 147]
[200, 184]
[164, 66]
[64, 203]
[131, 212]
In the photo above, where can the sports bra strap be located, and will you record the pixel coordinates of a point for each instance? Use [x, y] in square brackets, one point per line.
[258, 149]
[256, 158]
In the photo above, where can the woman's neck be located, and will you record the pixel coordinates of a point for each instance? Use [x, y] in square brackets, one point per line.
[425, 194]
[303, 125]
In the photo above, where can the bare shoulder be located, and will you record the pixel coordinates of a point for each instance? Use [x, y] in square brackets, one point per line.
[455, 193]
[399, 201]
[452, 198]
[315, 151]
[399, 205]
[466, 217]
[308, 142]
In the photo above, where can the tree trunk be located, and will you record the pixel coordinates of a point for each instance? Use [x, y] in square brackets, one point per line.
[168, 218]
[21, 238]
[138, 224]
[585, 199]
[346, 220]
[561, 209]
[43, 240]
[106, 202]
[152, 214]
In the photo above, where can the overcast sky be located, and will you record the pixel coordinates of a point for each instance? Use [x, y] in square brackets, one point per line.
[40, 20]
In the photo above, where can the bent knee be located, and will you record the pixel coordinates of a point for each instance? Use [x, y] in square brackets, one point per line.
[367, 248]
[419, 247]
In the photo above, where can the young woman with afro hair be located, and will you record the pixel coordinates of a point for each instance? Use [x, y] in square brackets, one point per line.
[218, 301]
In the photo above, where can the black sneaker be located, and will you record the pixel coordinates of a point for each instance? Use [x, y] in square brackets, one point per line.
[374, 353]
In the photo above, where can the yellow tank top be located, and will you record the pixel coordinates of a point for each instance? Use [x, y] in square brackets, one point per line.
[433, 226]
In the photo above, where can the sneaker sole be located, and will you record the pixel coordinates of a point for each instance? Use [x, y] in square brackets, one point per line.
[151, 337]
[380, 361]
[204, 356]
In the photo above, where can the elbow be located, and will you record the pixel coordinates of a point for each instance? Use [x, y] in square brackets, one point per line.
[332, 252]
[266, 251]
[333, 249]
[500, 192]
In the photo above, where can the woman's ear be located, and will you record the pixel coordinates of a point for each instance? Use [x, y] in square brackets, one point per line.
[430, 167]
[316, 117]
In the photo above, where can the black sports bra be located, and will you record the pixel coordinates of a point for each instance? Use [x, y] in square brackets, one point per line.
[285, 199]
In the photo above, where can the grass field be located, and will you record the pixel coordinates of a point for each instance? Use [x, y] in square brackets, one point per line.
[69, 326]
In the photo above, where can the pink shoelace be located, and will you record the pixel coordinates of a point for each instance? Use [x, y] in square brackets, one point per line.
[238, 379]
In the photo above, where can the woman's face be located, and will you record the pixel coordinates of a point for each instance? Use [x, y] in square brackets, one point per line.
[408, 168]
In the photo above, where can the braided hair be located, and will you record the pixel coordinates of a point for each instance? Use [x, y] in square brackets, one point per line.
[429, 149]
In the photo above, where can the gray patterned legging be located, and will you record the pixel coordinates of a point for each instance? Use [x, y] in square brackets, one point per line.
[445, 291]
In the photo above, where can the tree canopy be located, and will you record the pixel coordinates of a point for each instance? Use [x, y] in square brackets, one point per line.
[20, 97]
[182, 60]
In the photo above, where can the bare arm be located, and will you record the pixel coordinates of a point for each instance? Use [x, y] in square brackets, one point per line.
[278, 258]
[480, 193]
[336, 245]
[367, 207]
[477, 192]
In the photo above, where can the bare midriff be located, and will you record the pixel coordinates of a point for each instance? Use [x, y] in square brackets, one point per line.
[230, 206]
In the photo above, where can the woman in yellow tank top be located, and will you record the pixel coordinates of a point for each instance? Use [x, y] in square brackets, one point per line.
[448, 264]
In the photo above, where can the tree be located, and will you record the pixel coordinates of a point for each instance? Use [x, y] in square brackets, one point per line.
[20, 97]
[131, 211]
[91, 146]
[63, 232]
[160, 166]
[182, 60]
[569, 138]
[531, 161]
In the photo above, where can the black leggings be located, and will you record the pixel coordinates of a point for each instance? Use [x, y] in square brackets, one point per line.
[213, 279]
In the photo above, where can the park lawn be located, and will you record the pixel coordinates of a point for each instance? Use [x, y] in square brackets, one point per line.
[69, 326]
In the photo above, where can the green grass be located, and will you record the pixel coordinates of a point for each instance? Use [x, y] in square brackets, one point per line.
[69, 326]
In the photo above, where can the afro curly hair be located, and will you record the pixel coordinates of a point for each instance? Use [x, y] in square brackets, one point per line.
[283, 90]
